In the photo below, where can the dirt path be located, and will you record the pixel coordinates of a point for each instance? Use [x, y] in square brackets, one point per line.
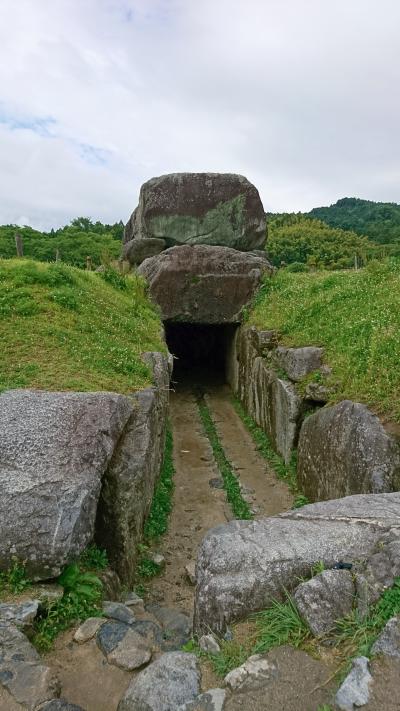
[267, 494]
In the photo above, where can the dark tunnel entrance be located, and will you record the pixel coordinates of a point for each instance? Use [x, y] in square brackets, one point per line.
[201, 351]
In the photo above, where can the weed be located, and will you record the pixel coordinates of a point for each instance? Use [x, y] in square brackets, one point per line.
[240, 507]
[286, 472]
[280, 624]
[147, 568]
[94, 558]
[14, 580]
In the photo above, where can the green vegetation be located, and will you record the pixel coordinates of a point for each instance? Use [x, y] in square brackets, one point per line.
[14, 580]
[81, 599]
[74, 242]
[307, 244]
[285, 472]
[239, 506]
[354, 315]
[157, 521]
[280, 624]
[380, 221]
[67, 329]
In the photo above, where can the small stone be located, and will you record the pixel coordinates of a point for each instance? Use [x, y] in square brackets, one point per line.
[157, 558]
[118, 611]
[255, 673]
[190, 570]
[176, 625]
[208, 643]
[110, 635]
[388, 642]
[216, 483]
[131, 652]
[228, 636]
[151, 632]
[20, 614]
[247, 490]
[60, 705]
[88, 629]
[354, 691]
[166, 684]
[133, 600]
[211, 700]
[325, 599]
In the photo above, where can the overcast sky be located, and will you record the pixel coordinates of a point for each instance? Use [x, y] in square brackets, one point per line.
[97, 96]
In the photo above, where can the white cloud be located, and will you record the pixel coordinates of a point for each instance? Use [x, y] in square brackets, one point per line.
[98, 95]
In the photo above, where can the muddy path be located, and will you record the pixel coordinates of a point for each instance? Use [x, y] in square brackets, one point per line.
[197, 505]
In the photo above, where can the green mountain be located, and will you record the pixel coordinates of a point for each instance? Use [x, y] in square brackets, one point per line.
[379, 221]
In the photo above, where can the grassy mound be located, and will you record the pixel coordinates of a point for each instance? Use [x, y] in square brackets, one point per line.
[66, 329]
[354, 315]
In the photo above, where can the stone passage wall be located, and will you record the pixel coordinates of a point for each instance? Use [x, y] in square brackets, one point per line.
[342, 449]
[62, 452]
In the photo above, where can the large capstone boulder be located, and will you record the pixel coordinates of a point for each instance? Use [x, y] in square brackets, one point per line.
[54, 450]
[203, 284]
[199, 208]
[242, 566]
[346, 450]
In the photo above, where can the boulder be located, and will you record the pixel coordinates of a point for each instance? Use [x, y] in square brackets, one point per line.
[118, 611]
[388, 642]
[22, 673]
[199, 208]
[203, 284]
[299, 362]
[60, 705]
[88, 629]
[20, 614]
[208, 643]
[54, 450]
[343, 450]
[324, 599]
[257, 671]
[378, 573]
[354, 691]
[176, 625]
[243, 566]
[128, 483]
[211, 700]
[137, 250]
[165, 685]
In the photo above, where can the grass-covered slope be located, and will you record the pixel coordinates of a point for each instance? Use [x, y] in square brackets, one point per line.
[354, 315]
[66, 329]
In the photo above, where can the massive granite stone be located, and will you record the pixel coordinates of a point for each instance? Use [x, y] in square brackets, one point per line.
[199, 208]
[203, 284]
[54, 450]
[129, 481]
[272, 401]
[243, 565]
[345, 450]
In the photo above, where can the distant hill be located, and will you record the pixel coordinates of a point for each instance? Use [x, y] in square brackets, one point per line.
[379, 221]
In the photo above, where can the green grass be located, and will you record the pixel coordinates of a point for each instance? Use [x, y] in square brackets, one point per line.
[14, 580]
[355, 316]
[285, 472]
[280, 624]
[157, 521]
[62, 328]
[239, 506]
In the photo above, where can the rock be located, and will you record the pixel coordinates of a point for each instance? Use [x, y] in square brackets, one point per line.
[256, 672]
[199, 208]
[324, 599]
[211, 700]
[88, 629]
[29, 682]
[202, 284]
[388, 642]
[243, 566]
[151, 632]
[166, 684]
[354, 692]
[60, 705]
[54, 450]
[345, 450]
[48, 593]
[176, 625]
[157, 558]
[299, 362]
[137, 250]
[272, 402]
[20, 614]
[118, 611]
[128, 484]
[317, 392]
[208, 643]
[110, 634]
[131, 652]
[216, 483]
[377, 573]
[131, 599]
[190, 570]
